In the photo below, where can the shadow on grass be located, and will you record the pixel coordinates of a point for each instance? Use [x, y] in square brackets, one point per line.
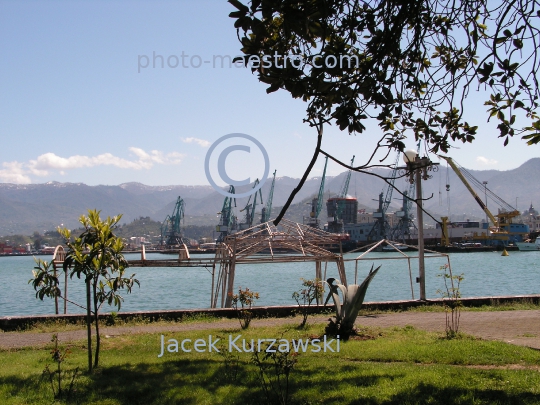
[428, 394]
[194, 381]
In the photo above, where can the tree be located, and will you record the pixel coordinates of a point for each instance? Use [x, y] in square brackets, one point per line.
[96, 257]
[409, 65]
[312, 290]
[37, 240]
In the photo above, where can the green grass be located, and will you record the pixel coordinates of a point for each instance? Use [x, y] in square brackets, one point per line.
[62, 325]
[382, 366]
[507, 306]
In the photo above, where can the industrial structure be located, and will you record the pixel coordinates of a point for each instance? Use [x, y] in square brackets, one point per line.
[228, 221]
[352, 226]
[343, 208]
[405, 226]
[267, 209]
[171, 231]
[502, 230]
[250, 207]
[317, 202]
[381, 228]
[380, 225]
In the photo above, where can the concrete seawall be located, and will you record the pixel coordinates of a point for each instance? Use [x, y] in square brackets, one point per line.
[10, 323]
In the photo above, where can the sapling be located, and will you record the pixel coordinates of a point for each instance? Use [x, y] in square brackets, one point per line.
[55, 376]
[274, 369]
[312, 291]
[246, 298]
[451, 301]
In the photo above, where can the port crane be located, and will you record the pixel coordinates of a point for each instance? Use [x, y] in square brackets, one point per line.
[317, 203]
[336, 224]
[171, 232]
[227, 221]
[250, 208]
[267, 209]
[502, 222]
[402, 230]
[345, 187]
[381, 228]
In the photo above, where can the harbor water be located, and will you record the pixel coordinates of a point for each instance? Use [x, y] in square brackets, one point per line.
[485, 274]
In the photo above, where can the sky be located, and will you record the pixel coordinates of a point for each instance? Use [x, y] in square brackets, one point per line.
[109, 92]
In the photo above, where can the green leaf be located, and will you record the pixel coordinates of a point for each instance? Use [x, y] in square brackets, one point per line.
[239, 6]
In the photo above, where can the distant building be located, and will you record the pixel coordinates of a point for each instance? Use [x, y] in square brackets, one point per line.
[360, 230]
[532, 218]
[138, 241]
[5, 249]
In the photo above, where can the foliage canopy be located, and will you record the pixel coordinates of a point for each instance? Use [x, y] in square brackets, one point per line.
[408, 64]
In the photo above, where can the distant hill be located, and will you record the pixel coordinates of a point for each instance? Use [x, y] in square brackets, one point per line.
[25, 208]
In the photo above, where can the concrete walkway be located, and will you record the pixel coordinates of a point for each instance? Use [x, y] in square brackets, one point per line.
[515, 327]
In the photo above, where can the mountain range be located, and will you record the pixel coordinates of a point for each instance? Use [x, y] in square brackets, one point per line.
[25, 208]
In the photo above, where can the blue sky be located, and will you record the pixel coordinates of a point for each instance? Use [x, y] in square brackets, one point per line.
[75, 106]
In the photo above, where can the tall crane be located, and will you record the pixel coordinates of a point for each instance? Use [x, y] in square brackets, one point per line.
[267, 210]
[317, 203]
[250, 208]
[502, 222]
[402, 230]
[459, 173]
[381, 228]
[345, 187]
[171, 232]
[335, 206]
[390, 189]
[227, 221]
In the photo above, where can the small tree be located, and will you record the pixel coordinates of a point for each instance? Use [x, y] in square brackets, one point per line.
[96, 256]
[246, 298]
[451, 301]
[312, 291]
[55, 377]
[274, 372]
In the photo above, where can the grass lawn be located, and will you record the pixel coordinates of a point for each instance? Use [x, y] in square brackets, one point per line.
[381, 366]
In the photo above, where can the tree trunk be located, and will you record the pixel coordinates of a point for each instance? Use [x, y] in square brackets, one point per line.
[98, 339]
[89, 324]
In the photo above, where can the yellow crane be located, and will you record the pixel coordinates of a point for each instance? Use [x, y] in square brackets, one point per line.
[501, 221]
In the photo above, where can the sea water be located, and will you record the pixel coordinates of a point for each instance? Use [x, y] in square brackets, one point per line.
[485, 274]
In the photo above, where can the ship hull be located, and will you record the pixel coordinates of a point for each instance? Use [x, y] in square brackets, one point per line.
[528, 246]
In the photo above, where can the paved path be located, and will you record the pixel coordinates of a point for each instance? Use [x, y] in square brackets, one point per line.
[516, 327]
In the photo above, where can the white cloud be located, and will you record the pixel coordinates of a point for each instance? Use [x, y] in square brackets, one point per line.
[201, 142]
[16, 172]
[50, 161]
[485, 161]
[147, 160]
[13, 172]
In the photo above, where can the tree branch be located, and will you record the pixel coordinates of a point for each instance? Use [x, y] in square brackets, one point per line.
[304, 177]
